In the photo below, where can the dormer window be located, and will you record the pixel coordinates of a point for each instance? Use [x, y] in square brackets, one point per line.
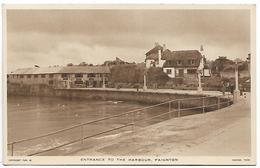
[178, 62]
[79, 75]
[191, 62]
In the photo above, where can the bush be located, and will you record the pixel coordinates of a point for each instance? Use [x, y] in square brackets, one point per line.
[129, 73]
[157, 76]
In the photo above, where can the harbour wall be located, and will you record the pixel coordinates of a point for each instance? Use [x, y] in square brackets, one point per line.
[115, 95]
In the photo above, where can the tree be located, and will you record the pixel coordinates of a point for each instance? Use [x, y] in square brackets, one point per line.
[156, 75]
[127, 73]
[83, 64]
[220, 64]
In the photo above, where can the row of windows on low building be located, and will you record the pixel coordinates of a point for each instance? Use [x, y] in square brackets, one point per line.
[189, 71]
[78, 75]
[179, 62]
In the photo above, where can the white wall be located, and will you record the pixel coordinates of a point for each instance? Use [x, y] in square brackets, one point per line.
[148, 63]
[172, 75]
[161, 63]
[207, 72]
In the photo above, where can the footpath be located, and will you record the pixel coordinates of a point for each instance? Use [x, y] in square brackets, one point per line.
[225, 132]
[173, 91]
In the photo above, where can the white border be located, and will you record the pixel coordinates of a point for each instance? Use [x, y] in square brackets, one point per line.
[150, 2]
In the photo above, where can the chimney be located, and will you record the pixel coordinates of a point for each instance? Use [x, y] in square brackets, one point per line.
[201, 48]
[156, 44]
[159, 57]
[164, 47]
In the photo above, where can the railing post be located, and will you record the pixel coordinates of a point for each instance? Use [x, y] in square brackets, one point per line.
[133, 122]
[12, 149]
[82, 134]
[203, 104]
[170, 114]
[228, 100]
[218, 103]
[179, 108]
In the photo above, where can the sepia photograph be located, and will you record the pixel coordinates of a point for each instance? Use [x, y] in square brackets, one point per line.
[129, 85]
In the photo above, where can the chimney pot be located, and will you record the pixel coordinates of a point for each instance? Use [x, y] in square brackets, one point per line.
[156, 44]
[164, 47]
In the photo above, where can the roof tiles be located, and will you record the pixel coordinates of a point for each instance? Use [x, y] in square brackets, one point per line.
[62, 69]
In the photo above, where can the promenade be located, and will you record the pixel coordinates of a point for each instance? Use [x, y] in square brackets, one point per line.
[225, 132]
[173, 91]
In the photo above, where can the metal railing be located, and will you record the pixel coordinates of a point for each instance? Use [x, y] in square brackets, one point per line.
[176, 105]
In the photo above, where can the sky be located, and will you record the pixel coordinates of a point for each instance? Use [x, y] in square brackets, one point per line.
[59, 37]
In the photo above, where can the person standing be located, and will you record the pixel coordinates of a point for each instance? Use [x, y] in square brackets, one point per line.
[223, 88]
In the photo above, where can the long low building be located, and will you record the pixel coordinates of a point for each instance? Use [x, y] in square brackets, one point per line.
[62, 76]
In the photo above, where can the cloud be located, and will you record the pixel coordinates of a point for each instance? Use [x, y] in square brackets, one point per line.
[63, 36]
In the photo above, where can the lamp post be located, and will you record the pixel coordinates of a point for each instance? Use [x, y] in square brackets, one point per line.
[145, 85]
[248, 61]
[200, 68]
[145, 71]
[199, 78]
[236, 91]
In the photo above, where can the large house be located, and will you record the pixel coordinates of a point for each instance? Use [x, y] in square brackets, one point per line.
[185, 64]
[62, 76]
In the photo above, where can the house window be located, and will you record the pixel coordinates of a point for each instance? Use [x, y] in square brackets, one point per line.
[178, 62]
[65, 76]
[28, 76]
[42, 75]
[51, 75]
[78, 82]
[35, 76]
[191, 71]
[168, 71]
[79, 75]
[91, 75]
[191, 62]
[104, 75]
[21, 76]
[50, 82]
[152, 64]
[181, 73]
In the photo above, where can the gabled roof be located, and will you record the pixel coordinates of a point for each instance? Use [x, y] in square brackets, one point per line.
[63, 69]
[166, 54]
[155, 56]
[185, 56]
[41, 70]
[85, 69]
[154, 50]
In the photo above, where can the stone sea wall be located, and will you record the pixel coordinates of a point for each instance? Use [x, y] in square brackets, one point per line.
[115, 95]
